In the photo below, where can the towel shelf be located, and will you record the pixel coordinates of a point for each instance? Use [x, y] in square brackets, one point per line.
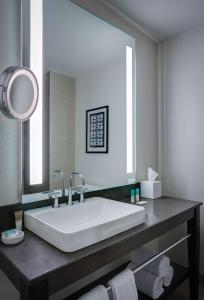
[157, 256]
[180, 274]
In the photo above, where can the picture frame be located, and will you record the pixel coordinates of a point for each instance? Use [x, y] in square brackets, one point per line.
[97, 121]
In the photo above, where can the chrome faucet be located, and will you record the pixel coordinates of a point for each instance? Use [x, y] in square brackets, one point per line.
[54, 173]
[54, 195]
[78, 189]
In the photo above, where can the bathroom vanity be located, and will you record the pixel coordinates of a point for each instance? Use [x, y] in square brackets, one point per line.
[38, 269]
[83, 124]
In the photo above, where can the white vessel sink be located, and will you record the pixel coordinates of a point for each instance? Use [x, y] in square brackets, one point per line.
[70, 228]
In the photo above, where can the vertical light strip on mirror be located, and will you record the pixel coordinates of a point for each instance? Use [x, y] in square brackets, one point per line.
[129, 108]
[36, 65]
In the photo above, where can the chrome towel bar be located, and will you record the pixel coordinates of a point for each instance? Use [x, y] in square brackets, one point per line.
[156, 256]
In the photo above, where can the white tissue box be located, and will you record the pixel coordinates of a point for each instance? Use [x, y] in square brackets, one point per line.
[150, 189]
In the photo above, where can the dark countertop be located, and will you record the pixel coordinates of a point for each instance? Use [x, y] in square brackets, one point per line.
[34, 259]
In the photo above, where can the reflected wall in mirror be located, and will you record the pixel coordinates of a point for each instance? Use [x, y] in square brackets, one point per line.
[87, 64]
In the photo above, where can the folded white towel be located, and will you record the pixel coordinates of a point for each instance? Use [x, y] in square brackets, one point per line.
[159, 267]
[99, 293]
[147, 282]
[167, 279]
[123, 286]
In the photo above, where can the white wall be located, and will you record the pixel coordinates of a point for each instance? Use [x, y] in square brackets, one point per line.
[183, 96]
[62, 126]
[146, 107]
[104, 86]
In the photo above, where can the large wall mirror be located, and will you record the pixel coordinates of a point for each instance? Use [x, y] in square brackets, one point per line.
[85, 121]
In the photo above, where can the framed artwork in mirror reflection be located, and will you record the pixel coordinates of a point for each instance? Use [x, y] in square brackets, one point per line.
[97, 130]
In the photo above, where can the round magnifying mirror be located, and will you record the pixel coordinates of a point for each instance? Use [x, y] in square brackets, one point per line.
[19, 93]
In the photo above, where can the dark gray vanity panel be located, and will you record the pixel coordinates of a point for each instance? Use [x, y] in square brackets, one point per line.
[34, 260]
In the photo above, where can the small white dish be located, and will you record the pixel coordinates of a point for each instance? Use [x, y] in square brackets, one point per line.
[12, 240]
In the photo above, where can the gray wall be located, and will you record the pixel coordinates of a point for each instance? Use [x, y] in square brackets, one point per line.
[104, 86]
[10, 131]
[183, 100]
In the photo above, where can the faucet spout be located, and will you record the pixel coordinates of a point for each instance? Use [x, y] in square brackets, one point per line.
[61, 174]
[78, 188]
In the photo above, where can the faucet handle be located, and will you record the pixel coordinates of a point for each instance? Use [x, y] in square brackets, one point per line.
[82, 197]
[56, 201]
[81, 191]
[52, 194]
[70, 197]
